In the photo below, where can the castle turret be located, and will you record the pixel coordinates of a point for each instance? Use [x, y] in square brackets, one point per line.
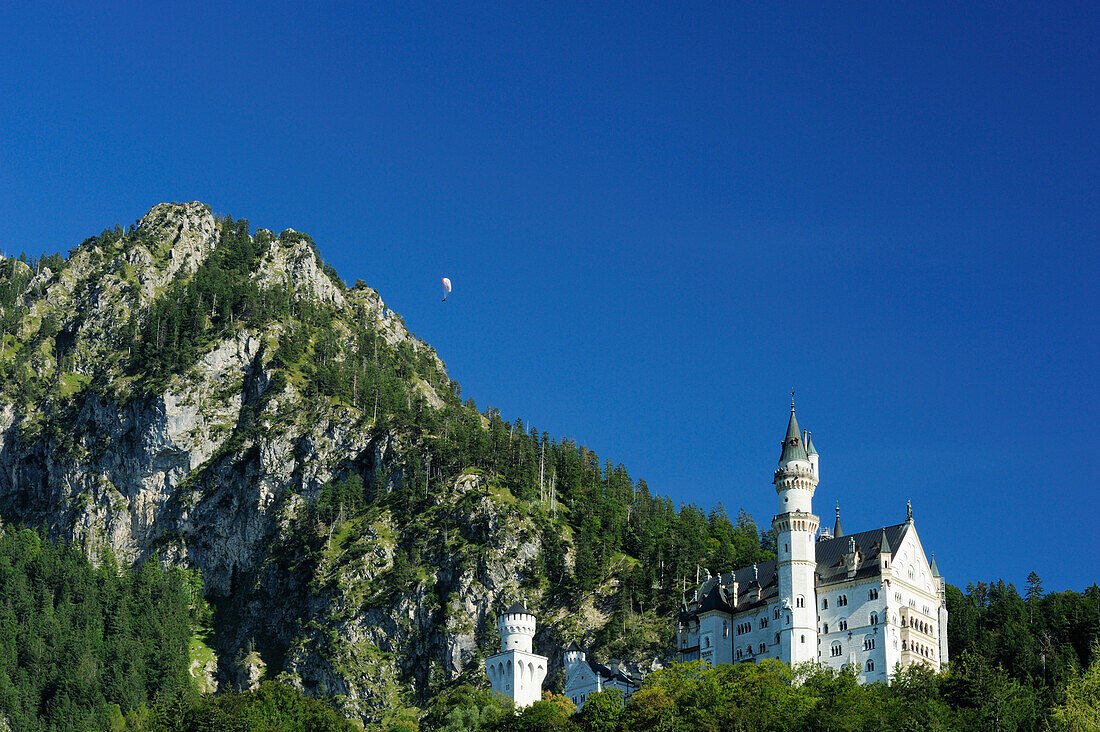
[796, 564]
[516, 671]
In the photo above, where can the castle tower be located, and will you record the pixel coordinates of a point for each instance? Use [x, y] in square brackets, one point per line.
[516, 671]
[796, 561]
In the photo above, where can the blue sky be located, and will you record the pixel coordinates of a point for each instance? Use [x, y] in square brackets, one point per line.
[657, 219]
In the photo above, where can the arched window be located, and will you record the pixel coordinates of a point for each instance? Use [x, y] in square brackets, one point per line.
[824, 603]
[800, 601]
[776, 613]
[825, 628]
[762, 647]
[903, 645]
[777, 638]
[843, 624]
[803, 639]
[738, 654]
[874, 618]
[872, 594]
[870, 665]
[869, 643]
[835, 650]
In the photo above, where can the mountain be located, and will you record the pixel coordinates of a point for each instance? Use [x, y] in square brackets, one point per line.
[191, 392]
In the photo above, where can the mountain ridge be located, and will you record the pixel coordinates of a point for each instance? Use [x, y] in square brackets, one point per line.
[217, 399]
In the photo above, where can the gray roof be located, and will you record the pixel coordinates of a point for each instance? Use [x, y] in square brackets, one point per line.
[717, 592]
[884, 544]
[516, 609]
[934, 568]
[793, 449]
[810, 444]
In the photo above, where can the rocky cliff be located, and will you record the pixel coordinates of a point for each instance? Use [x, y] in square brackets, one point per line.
[276, 432]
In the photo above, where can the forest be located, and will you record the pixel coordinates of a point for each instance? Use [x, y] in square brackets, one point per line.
[105, 645]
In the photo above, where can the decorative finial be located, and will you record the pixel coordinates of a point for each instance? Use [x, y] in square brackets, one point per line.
[838, 509]
[908, 510]
[792, 399]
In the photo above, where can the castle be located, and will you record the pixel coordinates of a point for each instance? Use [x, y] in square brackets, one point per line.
[871, 599]
[516, 672]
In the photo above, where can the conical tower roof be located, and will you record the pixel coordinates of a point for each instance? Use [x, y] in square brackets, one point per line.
[884, 543]
[810, 445]
[837, 531]
[516, 609]
[934, 568]
[793, 449]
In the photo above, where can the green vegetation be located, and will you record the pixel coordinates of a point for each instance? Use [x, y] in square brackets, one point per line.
[973, 694]
[112, 648]
[77, 641]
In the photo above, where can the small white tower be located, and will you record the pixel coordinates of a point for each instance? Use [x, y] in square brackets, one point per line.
[516, 671]
[796, 561]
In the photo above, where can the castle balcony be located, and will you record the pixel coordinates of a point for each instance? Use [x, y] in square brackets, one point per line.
[917, 625]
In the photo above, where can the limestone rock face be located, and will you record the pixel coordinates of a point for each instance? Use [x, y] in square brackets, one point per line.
[218, 467]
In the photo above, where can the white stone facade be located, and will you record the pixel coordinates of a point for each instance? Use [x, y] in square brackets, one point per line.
[516, 671]
[583, 678]
[871, 600]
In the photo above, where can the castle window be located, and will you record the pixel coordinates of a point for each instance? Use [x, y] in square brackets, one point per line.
[874, 618]
[800, 601]
[763, 622]
[777, 638]
[738, 654]
[824, 603]
[825, 628]
[725, 629]
[835, 650]
[868, 643]
[842, 600]
[843, 624]
[873, 593]
[776, 614]
[870, 665]
[762, 647]
[897, 597]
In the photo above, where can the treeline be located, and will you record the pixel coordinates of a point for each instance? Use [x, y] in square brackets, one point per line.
[1043, 640]
[972, 695]
[81, 644]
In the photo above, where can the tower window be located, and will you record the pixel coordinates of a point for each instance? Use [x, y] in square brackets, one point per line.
[843, 624]
[870, 665]
[803, 639]
[873, 594]
[825, 603]
[874, 618]
[800, 601]
[835, 650]
[825, 628]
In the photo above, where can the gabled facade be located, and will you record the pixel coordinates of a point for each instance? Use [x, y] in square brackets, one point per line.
[871, 599]
[583, 678]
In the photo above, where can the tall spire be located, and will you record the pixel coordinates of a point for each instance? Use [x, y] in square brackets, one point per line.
[884, 543]
[934, 568]
[810, 444]
[793, 449]
[837, 531]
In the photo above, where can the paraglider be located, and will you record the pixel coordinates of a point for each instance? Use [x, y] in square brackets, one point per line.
[446, 288]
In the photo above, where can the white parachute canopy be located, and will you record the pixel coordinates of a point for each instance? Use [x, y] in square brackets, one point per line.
[446, 287]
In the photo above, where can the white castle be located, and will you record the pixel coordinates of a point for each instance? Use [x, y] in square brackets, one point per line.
[872, 599]
[516, 671]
